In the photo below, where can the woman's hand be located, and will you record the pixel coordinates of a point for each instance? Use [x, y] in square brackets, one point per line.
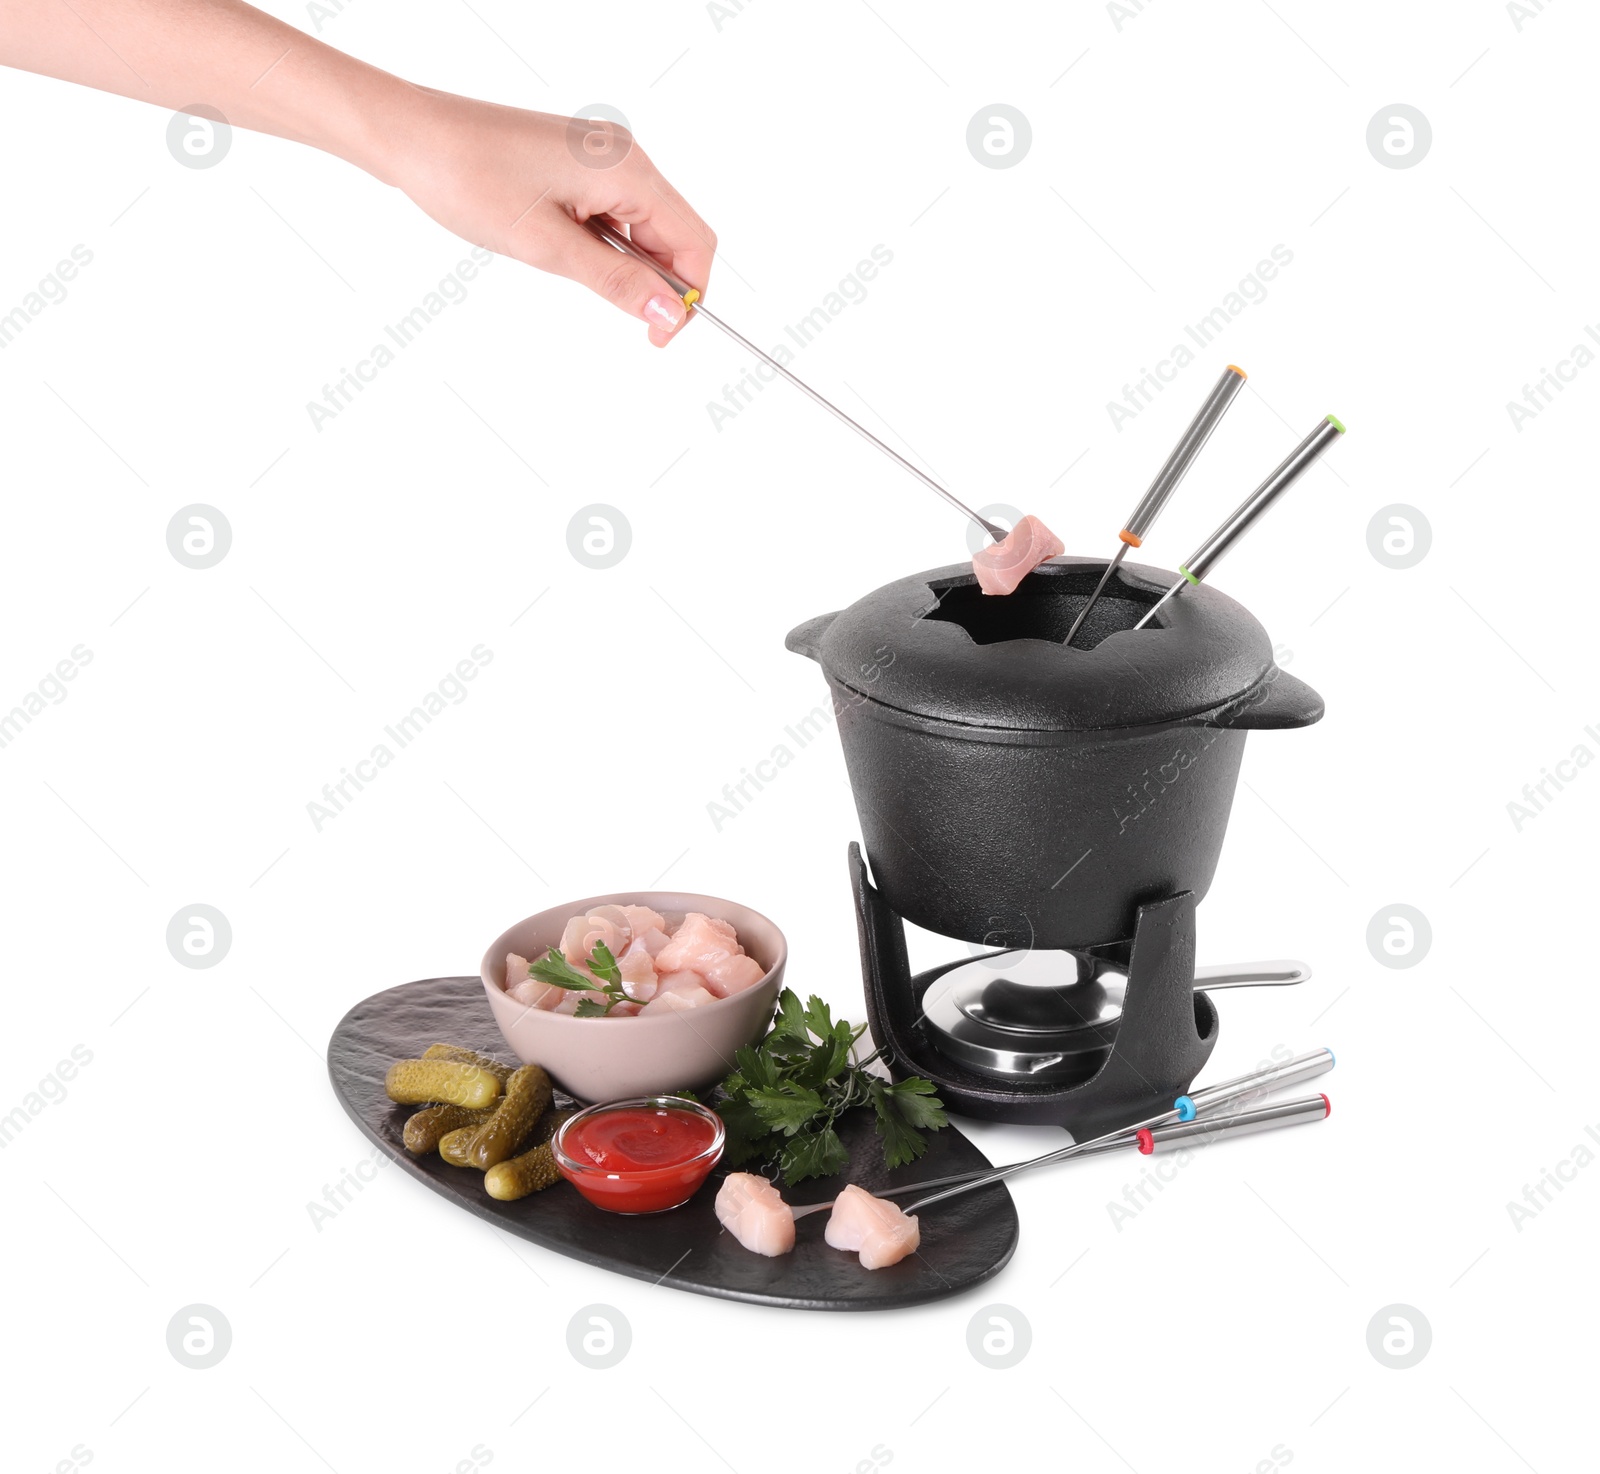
[521, 183]
[517, 182]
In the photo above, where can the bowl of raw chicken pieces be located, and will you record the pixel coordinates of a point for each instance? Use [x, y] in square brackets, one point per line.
[639, 993]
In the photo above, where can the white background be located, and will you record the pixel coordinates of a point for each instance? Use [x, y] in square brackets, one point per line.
[1169, 155]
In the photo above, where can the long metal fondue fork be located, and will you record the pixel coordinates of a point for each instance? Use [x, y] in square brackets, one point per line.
[691, 300]
[1196, 1108]
[1250, 511]
[1184, 455]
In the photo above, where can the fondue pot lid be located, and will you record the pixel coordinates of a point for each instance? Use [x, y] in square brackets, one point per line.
[937, 647]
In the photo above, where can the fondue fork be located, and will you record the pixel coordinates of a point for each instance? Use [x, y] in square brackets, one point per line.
[691, 300]
[1300, 1111]
[1257, 1085]
[1250, 511]
[1148, 1139]
[1184, 455]
[1186, 1110]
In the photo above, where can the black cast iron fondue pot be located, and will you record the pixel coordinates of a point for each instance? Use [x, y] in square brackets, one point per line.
[1016, 792]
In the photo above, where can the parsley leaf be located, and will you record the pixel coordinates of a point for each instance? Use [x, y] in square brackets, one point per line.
[817, 1017]
[554, 968]
[760, 1072]
[825, 1060]
[813, 1154]
[782, 1101]
[789, 1032]
[603, 965]
[787, 1107]
[748, 1135]
[915, 1100]
[904, 1110]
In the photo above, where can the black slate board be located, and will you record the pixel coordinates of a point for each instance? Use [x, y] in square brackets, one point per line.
[964, 1241]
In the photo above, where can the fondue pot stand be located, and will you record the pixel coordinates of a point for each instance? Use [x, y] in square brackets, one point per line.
[1018, 794]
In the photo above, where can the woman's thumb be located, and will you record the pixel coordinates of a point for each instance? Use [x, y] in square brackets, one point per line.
[621, 280]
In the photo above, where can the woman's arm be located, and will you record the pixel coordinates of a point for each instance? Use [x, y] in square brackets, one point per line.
[517, 182]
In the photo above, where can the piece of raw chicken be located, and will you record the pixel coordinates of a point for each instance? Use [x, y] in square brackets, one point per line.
[638, 971]
[699, 962]
[729, 975]
[698, 941]
[608, 924]
[677, 1002]
[1001, 566]
[872, 1227]
[528, 990]
[752, 1210]
[676, 991]
[643, 919]
[710, 947]
[652, 940]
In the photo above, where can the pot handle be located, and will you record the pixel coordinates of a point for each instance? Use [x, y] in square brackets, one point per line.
[1279, 701]
[806, 639]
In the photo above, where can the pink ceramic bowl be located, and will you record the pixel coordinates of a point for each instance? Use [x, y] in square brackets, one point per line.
[596, 1059]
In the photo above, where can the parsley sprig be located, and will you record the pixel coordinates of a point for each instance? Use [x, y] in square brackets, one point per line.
[782, 1102]
[554, 968]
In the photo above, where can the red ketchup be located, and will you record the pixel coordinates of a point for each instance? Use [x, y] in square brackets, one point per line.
[639, 1156]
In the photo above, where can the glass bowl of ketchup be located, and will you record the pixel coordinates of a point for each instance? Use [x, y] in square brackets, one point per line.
[643, 1155]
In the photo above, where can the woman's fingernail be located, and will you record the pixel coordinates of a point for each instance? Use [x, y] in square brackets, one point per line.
[665, 311]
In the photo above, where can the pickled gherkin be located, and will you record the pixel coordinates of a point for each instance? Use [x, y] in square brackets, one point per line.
[456, 1146]
[424, 1130]
[441, 1081]
[527, 1096]
[461, 1056]
[534, 1170]
[530, 1173]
